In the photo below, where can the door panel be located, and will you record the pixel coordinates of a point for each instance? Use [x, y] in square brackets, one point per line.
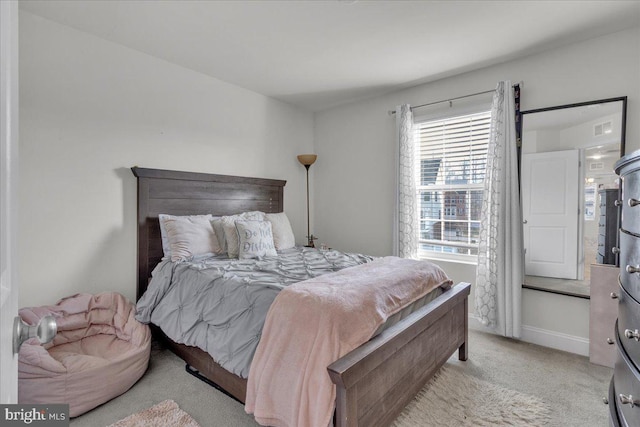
[550, 196]
[539, 249]
[8, 195]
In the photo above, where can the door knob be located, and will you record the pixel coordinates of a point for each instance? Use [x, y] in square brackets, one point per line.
[613, 295]
[615, 250]
[525, 221]
[45, 330]
[634, 202]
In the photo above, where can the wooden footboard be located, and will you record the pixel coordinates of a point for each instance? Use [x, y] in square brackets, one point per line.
[376, 381]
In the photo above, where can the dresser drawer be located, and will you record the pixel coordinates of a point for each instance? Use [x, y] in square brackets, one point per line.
[627, 385]
[629, 324]
[631, 193]
[630, 262]
[614, 421]
[601, 243]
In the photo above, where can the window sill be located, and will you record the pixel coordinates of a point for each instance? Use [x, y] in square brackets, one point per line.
[454, 258]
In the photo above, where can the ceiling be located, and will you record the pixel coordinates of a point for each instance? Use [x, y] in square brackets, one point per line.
[320, 54]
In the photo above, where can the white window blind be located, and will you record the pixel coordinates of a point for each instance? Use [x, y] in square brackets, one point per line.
[453, 158]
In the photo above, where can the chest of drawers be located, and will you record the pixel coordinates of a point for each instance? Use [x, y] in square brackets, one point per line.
[624, 393]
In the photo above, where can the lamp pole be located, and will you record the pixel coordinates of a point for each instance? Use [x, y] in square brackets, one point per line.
[307, 160]
[309, 236]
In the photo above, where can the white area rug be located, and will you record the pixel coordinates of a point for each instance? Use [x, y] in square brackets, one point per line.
[453, 398]
[166, 413]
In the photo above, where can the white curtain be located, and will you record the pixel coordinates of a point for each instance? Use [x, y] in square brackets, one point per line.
[500, 270]
[406, 222]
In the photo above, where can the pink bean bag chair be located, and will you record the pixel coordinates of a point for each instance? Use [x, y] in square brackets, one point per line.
[99, 352]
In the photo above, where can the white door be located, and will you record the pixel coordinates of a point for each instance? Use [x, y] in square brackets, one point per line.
[550, 194]
[8, 197]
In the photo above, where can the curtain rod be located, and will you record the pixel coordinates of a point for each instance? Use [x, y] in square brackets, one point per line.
[392, 112]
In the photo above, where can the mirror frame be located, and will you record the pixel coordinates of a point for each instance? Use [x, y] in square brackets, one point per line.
[623, 132]
[623, 135]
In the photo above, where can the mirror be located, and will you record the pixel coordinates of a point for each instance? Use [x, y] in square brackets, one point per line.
[568, 188]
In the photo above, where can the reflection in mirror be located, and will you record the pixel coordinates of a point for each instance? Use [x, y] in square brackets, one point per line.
[568, 190]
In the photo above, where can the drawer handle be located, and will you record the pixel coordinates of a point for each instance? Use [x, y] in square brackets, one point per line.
[632, 334]
[634, 202]
[617, 203]
[610, 341]
[628, 400]
[631, 269]
[613, 295]
[615, 250]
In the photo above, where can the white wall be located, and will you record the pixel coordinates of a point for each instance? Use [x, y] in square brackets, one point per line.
[355, 172]
[573, 137]
[581, 136]
[90, 109]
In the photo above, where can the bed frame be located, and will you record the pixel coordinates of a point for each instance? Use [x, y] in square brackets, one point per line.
[375, 381]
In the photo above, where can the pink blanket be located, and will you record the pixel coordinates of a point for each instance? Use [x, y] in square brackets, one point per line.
[313, 323]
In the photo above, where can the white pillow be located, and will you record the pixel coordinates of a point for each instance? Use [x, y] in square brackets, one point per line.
[283, 237]
[189, 236]
[166, 248]
[255, 239]
[230, 232]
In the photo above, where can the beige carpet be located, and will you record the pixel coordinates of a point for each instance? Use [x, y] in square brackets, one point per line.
[166, 413]
[453, 398]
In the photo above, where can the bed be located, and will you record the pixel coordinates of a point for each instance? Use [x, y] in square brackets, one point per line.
[375, 381]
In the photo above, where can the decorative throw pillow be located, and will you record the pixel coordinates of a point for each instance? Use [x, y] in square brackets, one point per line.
[255, 239]
[230, 232]
[190, 236]
[283, 237]
[166, 248]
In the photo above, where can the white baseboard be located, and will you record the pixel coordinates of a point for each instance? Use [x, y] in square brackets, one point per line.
[543, 337]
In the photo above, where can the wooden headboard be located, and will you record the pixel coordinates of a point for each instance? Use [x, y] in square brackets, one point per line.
[189, 193]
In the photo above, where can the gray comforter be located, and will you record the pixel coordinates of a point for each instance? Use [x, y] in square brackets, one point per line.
[220, 304]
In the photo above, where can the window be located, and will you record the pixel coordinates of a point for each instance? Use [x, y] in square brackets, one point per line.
[453, 155]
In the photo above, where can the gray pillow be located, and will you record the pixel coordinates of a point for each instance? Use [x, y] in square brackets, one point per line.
[219, 229]
[230, 232]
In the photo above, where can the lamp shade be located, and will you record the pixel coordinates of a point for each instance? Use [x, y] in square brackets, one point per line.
[307, 159]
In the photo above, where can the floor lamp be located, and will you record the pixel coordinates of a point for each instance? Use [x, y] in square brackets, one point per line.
[307, 160]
